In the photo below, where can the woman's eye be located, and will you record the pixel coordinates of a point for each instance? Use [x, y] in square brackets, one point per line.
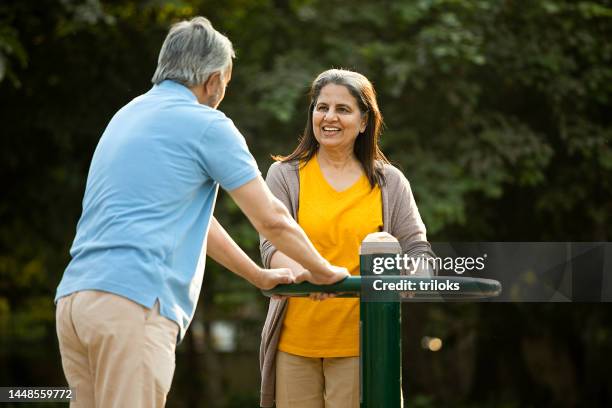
[321, 108]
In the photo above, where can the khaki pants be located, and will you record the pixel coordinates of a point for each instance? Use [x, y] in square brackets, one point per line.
[307, 382]
[115, 352]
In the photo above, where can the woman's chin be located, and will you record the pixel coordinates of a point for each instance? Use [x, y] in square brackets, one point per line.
[331, 143]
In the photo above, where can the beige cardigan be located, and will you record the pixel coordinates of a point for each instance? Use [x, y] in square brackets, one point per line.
[400, 218]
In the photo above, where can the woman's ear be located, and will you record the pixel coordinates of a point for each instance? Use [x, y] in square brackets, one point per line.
[364, 123]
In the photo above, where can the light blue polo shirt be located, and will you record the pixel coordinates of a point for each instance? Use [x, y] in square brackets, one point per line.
[149, 200]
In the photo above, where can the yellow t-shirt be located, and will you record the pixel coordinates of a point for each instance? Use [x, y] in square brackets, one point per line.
[336, 223]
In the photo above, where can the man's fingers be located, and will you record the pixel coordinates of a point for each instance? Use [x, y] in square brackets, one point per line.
[273, 277]
[282, 276]
[286, 276]
[302, 276]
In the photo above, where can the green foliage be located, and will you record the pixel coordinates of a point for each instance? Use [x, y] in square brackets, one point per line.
[11, 52]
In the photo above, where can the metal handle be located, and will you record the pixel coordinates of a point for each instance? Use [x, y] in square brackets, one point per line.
[469, 288]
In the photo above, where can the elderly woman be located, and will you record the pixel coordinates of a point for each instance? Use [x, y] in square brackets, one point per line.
[340, 187]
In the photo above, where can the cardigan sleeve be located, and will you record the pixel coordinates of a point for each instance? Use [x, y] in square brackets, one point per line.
[277, 182]
[405, 220]
[279, 179]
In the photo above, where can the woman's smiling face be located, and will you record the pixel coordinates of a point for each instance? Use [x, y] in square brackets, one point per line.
[336, 118]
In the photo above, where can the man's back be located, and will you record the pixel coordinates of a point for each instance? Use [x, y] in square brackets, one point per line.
[149, 198]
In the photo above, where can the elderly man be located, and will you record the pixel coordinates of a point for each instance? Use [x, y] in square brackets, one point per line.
[130, 290]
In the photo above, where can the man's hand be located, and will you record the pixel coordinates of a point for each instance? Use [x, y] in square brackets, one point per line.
[269, 278]
[334, 274]
[339, 274]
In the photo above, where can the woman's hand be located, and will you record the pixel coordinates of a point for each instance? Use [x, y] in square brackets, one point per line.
[322, 296]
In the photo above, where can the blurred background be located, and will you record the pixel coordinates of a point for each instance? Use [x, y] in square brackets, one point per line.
[498, 112]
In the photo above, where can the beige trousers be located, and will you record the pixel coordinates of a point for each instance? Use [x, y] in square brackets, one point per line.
[307, 382]
[115, 352]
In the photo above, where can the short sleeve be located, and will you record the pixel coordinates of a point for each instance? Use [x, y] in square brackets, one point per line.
[225, 155]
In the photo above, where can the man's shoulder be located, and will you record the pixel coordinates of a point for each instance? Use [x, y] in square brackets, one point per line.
[211, 123]
[185, 109]
[180, 110]
[204, 115]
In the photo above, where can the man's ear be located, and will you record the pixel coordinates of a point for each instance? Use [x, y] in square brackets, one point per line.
[211, 86]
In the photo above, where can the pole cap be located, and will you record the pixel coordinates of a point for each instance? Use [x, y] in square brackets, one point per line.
[380, 243]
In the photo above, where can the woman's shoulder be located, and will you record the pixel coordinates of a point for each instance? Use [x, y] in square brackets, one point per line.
[282, 170]
[283, 166]
[392, 174]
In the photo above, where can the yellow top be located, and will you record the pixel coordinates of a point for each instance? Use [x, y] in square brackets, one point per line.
[336, 222]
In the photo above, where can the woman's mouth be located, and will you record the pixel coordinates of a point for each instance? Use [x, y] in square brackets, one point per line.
[330, 130]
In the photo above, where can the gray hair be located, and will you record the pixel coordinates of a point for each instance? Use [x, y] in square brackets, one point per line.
[191, 52]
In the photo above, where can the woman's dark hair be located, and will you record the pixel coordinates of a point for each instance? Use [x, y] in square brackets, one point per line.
[366, 146]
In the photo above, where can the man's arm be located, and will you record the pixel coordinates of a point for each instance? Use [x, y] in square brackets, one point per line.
[222, 248]
[272, 220]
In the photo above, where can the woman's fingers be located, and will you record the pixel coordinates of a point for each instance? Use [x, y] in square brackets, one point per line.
[321, 296]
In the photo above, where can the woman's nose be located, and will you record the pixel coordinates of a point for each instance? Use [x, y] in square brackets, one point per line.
[330, 115]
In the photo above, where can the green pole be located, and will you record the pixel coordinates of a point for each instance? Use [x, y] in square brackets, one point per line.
[380, 337]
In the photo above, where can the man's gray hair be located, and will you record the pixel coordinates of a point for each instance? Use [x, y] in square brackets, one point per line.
[191, 52]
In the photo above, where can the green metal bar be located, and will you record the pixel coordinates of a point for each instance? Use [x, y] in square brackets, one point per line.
[471, 288]
[351, 285]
